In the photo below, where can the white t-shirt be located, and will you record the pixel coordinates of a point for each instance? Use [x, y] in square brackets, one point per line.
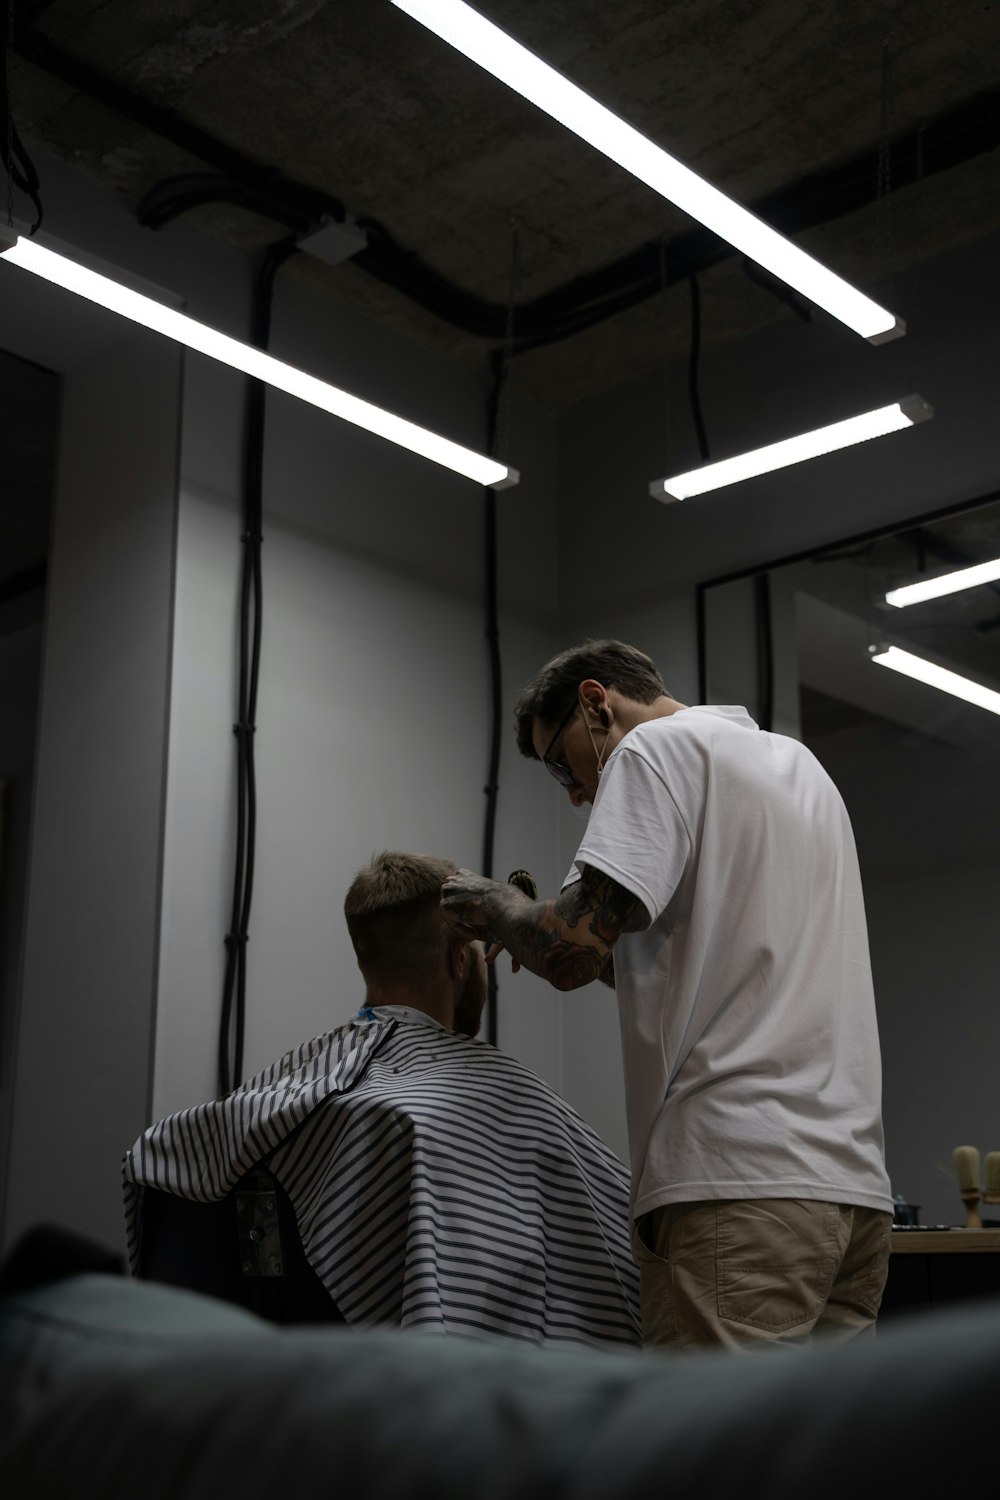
[749, 1037]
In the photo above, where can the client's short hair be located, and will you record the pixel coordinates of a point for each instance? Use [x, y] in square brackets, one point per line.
[613, 664]
[393, 912]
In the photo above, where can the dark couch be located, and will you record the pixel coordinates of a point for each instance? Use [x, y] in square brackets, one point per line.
[131, 1391]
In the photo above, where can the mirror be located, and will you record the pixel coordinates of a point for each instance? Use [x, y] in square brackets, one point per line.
[919, 771]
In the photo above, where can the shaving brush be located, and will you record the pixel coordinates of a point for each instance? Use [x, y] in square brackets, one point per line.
[967, 1172]
[991, 1177]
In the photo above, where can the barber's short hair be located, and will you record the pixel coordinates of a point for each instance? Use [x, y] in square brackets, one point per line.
[550, 693]
[393, 913]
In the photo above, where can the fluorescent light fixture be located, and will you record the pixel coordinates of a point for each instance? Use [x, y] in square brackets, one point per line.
[469, 32]
[938, 677]
[794, 450]
[65, 272]
[947, 583]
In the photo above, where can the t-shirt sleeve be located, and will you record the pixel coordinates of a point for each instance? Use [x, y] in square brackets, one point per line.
[636, 832]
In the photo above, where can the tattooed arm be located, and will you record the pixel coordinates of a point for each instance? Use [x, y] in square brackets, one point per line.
[567, 941]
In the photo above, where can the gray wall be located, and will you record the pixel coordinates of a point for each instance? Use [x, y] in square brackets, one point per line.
[20, 678]
[629, 560]
[83, 1061]
[926, 816]
[629, 566]
[29, 424]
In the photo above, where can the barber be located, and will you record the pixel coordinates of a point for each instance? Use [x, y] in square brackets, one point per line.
[717, 889]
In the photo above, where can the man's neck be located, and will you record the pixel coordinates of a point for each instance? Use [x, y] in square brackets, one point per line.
[630, 713]
[438, 1010]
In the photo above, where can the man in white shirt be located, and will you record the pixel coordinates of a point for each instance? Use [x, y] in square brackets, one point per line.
[717, 888]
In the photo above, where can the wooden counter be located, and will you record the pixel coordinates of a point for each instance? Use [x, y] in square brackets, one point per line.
[944, 1241]
[931, 1267]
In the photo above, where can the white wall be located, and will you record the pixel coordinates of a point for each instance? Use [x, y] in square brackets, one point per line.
[372, 715]
[371, 735]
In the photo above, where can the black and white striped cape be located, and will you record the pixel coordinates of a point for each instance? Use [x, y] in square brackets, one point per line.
[437, 1183]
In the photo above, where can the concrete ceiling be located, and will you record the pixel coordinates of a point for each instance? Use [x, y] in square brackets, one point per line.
[354, 100]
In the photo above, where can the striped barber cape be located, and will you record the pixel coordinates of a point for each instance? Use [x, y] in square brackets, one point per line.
[437, 1183]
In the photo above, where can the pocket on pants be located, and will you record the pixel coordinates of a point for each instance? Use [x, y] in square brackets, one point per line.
[868, 1282]
[773, 1297]
[657, 1295]
[642, 1233]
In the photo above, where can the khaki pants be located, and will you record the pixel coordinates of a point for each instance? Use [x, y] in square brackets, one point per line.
[754, 1271]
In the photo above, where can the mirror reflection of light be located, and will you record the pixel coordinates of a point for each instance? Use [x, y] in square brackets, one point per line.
[922, 670]
[947, 583]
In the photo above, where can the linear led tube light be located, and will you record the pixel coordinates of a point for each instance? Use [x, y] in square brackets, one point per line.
[469, 32]
[947, 583]
[67, 273]
[793, 450]
[939, 677]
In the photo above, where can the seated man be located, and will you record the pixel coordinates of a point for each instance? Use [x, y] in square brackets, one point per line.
[436, 1182]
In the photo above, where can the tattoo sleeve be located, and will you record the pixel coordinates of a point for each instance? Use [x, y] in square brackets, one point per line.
[569, 940]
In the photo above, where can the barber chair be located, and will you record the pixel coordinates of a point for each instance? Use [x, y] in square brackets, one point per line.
[244, 1249]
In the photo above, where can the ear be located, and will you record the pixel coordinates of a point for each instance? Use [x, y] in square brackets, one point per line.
[458, 957]
[595, 696]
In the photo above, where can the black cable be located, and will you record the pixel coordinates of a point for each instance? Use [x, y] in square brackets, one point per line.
[701, 638]
[274, 198]
[17, 164]
[492, 787]
[693, 358]
[768, 282]
[497, 437]
[232, 1025]
[765, 651]
[24, 176]
[496, 709]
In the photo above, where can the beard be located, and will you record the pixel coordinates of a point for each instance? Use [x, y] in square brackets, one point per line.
[470, 1002]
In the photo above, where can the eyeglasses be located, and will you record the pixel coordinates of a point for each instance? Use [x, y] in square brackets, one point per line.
[555, 768]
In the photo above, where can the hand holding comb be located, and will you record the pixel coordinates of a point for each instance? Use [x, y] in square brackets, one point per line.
[525, 883]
